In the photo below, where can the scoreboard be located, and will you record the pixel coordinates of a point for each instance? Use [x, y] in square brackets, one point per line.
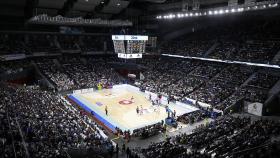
[129, 46]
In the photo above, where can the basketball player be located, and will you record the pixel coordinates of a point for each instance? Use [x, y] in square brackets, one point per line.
[137, 110]
[106, 110]
[174, 114]
[131, 99]
[141, 110]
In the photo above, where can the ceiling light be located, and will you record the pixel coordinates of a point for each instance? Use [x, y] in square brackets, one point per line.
[240, 9]
[118, 4]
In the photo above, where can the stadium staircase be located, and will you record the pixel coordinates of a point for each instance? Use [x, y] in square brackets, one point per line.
[242, 85]
[211, 49]
[57, 44]
[275, 89]
[57, 63]
[22, 138]
[276, 59]
[49, 83]
[249, 79]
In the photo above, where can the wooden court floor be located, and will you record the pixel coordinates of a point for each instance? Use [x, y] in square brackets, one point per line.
[122, 109]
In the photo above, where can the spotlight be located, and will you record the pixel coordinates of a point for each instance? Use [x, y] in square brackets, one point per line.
[240, 9]
[186, 14]
[196, 14]
[215, 12]
[227, 11]
[233, 10]
[221, 12]
[191, 14]
[210, 12]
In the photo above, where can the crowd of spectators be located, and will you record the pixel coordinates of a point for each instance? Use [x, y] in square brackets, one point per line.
[224, 137]
[271, 150]
[56, 75]
[187, 47]
[167, 149]
[48, 127]
[256, 90]
[10, 67]
[20, 43]
[193, 117]
[41, 43]
[220, 85]
[76, 73]
[239, 41]
[69, 42]
[263, 80]
[10, 138]
[12, 44]
[148, 131]
[89, 43]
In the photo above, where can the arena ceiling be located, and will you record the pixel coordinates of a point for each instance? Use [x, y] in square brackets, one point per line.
[106, 9]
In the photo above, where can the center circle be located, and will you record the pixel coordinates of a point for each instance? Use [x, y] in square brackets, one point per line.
[125, 102]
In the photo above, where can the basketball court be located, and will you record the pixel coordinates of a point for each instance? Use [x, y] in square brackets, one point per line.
[122, 102]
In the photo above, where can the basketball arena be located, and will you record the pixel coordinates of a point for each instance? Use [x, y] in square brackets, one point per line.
[139, 79]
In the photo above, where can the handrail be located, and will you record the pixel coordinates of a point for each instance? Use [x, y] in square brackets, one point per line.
[8, 118]
[253, 148]
[23, 142]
